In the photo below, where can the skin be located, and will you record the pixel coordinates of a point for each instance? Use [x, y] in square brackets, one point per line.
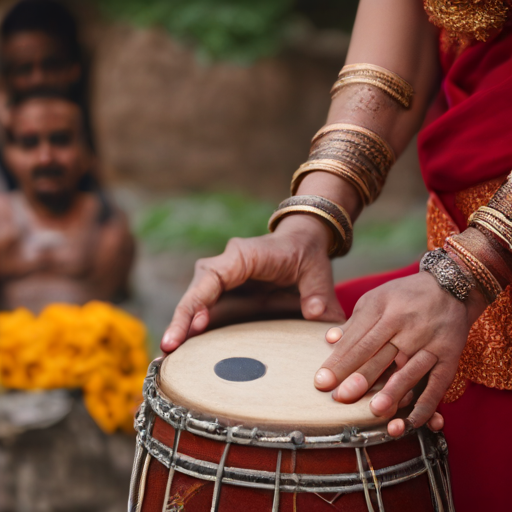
[410, 321]
[59, 251]
[35, 60]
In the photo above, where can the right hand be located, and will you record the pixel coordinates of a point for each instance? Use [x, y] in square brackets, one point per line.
[296, 253]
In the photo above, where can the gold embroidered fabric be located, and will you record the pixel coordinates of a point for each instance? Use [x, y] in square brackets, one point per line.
[487, 357]
[467, 20]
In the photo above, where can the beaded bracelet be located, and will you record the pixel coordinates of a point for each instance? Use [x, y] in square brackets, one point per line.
[331, 213]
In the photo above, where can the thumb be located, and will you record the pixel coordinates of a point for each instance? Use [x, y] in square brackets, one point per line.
[317, 296]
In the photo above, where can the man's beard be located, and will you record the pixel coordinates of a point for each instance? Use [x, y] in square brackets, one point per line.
[56, 202]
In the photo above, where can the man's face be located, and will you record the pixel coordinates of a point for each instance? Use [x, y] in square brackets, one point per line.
[35, 61]
[46, 150]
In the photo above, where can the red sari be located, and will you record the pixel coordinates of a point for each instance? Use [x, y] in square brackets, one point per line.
[466, 144]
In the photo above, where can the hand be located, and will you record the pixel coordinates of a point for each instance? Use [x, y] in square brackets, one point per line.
[296, 253]
[413, 322]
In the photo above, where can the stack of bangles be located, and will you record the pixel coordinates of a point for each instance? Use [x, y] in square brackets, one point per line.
[354, 153]
[470, 260]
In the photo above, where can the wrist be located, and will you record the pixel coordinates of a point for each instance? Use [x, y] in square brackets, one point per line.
[307, 228]
[332, 188]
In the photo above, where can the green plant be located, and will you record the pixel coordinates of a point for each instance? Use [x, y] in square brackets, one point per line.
[236, 30]
[202, 221]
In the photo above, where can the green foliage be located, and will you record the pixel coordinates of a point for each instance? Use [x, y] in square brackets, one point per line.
[202, 221]
[407, 234]
[237, 30]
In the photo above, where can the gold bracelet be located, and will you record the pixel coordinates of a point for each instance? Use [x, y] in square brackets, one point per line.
[344, 146]
[338, 169]
[353, 153]
[334, 215]
[391, 83]
[371, 140]
[488, 284]
[495, 222]
[502, 199]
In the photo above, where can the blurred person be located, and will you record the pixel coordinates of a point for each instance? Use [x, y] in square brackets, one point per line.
[450, 318]
[54, 244]
[40, 52]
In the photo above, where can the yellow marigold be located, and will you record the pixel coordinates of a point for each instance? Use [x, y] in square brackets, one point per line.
[96, 347]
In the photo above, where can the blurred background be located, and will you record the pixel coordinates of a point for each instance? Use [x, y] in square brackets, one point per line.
[202, 110]
[198, 111]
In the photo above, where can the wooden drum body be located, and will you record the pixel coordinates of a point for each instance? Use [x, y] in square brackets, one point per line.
[231, 422]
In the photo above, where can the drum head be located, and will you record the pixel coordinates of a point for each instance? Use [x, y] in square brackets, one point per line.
[260, 374]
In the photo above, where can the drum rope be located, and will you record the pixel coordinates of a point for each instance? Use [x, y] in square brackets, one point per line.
[134, 480]
[438, 503]
[172, 469]
[218, 479]
[362, 474]
[142, 487]
[275, 503]
[375, 481]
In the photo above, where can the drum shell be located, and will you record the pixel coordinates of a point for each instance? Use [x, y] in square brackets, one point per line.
[189, 493]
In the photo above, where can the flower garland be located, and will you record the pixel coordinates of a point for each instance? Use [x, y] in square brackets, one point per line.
[95, 347]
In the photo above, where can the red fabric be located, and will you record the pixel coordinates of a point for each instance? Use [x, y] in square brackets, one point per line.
[348, 292]
[471, 141]
[467, 141]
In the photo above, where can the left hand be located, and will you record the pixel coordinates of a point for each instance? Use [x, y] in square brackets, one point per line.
[413, 322]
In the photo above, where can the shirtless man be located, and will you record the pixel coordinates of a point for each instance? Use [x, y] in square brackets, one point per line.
[54, 245]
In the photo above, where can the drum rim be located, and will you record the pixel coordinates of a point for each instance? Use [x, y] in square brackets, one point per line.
[181, 418]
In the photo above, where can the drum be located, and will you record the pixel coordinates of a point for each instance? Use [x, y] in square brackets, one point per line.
[231, 422]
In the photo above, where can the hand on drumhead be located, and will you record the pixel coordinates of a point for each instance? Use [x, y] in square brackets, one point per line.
[296, 253]
[409, 321]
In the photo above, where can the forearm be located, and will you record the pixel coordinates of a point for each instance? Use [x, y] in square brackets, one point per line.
[396, 35]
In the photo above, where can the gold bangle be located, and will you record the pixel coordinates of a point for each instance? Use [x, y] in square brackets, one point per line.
[495, 222]
[502, 199]
[387, 81]
[344, 146]
[379, 143]
[352, 152]
[336, 168]
[488, 284]
[334, 215]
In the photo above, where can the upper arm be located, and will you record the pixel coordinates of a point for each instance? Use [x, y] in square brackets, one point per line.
[396, 35]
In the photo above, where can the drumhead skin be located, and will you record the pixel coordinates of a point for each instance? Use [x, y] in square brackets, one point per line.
[260, 374]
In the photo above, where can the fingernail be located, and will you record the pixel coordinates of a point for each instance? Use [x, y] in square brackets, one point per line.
[316, 306]
[380, 402]
[334, 334]
[322, 376]
[166, 340]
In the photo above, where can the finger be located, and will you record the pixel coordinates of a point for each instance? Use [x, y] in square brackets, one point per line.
[318, 299]
[436, 423]
[406, 400]
[396, 427]
[191, 315]
[199, 323]
[357, 384]
[360, 342]
[439, 381]
[401, 359]
[386, 401]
